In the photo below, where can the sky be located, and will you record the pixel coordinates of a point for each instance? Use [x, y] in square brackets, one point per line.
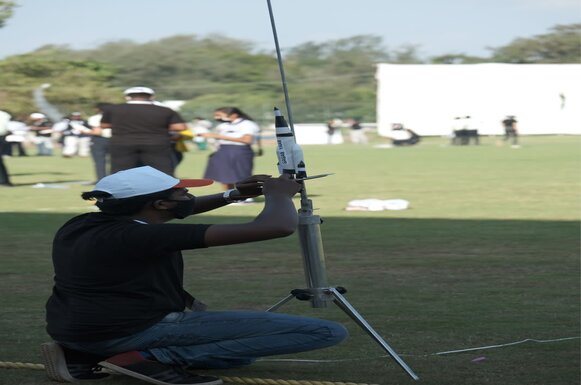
[435, 27]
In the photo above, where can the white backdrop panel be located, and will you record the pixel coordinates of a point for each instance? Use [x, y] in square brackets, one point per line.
[545, 98]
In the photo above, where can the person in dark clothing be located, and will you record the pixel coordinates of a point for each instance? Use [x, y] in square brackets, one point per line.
[510, 130]
[141, 132]
[100, 141]
[118, 299]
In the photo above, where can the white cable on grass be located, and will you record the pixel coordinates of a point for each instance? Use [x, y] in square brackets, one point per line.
[503, 345]
[424, 355]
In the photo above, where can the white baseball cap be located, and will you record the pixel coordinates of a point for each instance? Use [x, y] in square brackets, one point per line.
[139, 90]
[142, 181]
[37, 115]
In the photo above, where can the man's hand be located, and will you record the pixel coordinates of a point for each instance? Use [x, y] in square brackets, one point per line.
[277, 219]
[281, 185]
[251, 187]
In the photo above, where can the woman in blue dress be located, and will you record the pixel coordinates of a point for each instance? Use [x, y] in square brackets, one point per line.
[234, 159]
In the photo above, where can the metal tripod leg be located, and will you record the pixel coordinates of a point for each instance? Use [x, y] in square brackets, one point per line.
[343, 304]
[354, 314]
[280, 303]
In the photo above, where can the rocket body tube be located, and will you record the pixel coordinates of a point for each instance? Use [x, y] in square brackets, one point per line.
[299, 161]
[285, 141]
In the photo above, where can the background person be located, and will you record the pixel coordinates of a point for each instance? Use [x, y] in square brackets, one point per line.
[75, 139]
[356, 132]
[16, 137]
[99, 141]
[4, 119]
[202, 126]
[119, 293]
[464, 131]
[180, 141]
[42, 128]
[510, 130]
[141, 132]
[402, 136]
[333, 125]
[234, 159]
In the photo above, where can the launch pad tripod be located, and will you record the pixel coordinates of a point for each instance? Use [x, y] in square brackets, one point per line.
[318, 291]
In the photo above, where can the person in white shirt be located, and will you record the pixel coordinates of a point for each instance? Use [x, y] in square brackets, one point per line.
[43, 129]
[202, 126]
[401, 136]
[234, 159]
[4, 119]
[16, 137]
[74, 131]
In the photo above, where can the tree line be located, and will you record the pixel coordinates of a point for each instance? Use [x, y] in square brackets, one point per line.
[330, 79]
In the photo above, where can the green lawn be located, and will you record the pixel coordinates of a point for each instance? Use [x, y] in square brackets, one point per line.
[487, 254]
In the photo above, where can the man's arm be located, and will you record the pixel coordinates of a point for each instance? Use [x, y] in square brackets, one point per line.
[97, 131]
[277, 219]
[248, 188]
[209, 202]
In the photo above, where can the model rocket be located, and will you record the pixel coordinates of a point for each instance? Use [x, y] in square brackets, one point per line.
[289, 153]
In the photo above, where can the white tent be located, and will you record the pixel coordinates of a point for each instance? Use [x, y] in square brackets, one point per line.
[545, 98]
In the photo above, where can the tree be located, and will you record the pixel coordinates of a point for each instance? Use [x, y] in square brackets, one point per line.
[407, 54]
[6, 10]
[458, 59]
[562, 45]
[326, 80]
[185, 66]
[76, 86]
[335, 78]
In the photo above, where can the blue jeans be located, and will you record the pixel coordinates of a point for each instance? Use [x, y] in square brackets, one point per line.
[222, 339]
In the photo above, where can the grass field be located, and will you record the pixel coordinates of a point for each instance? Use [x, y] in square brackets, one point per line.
[487, 254]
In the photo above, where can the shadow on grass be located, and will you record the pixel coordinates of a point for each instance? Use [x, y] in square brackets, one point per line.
[427, 285]
[55, 183]
[391, 235]
[40, 173]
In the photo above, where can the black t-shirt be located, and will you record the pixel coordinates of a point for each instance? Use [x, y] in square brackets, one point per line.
[43, 128]
[143, 123]
[115, 277]
[509, 123]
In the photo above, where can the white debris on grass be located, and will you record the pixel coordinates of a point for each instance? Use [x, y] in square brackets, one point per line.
[377, 205]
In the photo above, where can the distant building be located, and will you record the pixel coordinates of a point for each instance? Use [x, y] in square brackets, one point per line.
[427, 98]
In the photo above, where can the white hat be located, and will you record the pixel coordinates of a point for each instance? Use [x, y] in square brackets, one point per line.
[139, 90]
[37, 115]
[142, 181]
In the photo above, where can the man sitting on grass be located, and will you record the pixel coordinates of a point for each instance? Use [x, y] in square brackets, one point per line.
[118, 301]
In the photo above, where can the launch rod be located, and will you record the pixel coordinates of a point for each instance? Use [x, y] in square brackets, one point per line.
[281, 69]
[306, 205]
